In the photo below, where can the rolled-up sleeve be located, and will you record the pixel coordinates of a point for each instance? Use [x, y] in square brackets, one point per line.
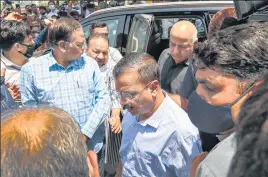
[27, 89]
[102, 105]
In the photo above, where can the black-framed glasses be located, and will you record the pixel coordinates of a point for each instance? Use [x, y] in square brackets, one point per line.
[26, 45]
[131, 96]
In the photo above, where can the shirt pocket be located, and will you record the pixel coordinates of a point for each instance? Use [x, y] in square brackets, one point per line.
[85, 87]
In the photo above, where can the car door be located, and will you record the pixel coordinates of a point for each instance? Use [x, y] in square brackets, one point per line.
[140, 33]
[245, 8]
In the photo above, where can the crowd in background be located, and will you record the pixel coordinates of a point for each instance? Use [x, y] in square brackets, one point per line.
[217, 87]
[35, 15]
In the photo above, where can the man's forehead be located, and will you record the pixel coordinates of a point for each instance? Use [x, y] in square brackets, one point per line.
[214, 75]
[99, 43]
[180, 41]
[78, 35]
[128, 78]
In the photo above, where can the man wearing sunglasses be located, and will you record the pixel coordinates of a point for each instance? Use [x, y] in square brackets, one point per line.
[67, 79]
[158, 137]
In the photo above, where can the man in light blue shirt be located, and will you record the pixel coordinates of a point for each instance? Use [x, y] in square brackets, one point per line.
[159, 139]
[69, 80]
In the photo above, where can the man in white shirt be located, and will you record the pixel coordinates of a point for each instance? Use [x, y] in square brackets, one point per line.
[98, 49]
[102, 28]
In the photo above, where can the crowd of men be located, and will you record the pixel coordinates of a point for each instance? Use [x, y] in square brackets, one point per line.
[35, 15]
[200, 110]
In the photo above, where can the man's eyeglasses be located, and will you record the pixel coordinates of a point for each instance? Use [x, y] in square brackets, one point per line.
[131, 96]
[81, 46]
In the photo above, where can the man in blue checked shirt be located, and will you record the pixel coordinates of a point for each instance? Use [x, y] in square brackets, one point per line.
[159, 139]
[69, 80]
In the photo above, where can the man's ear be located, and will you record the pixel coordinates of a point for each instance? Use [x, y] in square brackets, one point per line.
[195, 42]
[17, 47]
[155, 86]
[253, 90]
[62, 46]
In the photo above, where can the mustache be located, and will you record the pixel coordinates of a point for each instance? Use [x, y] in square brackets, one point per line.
[176, 54]
[126, 106]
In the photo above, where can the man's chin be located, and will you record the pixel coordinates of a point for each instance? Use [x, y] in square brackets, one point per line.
[132, 111]
[179, 59]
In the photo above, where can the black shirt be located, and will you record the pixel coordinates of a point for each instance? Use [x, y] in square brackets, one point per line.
[171, 74]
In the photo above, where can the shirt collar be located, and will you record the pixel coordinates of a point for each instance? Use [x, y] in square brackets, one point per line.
[156, 118]
[8, 63]
[54, 62]
[106, 66]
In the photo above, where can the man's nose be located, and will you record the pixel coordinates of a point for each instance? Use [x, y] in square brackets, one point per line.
[123, 101]
[101, 56]
[32, 41]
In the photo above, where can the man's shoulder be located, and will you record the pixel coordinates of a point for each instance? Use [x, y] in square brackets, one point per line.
[36, 62]
[175, 110]
[165, 54]
[163, 57]
[221, 154]
[180, 118]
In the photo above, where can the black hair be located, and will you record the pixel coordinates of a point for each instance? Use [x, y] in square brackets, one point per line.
[52, 147]
[143, 63]
[62, 30]
[43, 7]
[33, 5]
[98, 24]
[52, 2]
[251, 157]
[240, 51]
[74, 13]
[12, 32]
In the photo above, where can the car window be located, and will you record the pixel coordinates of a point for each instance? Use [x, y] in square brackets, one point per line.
[139, 33]
[112, 27]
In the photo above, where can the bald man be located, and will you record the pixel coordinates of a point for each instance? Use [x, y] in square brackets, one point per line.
[174, 60]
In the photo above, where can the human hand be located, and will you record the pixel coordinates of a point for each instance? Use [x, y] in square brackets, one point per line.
[13, 16]
[92, 162]
[85, 138]
[115, 124]
[196, 161]
[49, 22]
[14, 90]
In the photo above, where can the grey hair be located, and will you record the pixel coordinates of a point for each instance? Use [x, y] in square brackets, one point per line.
[143, 63]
